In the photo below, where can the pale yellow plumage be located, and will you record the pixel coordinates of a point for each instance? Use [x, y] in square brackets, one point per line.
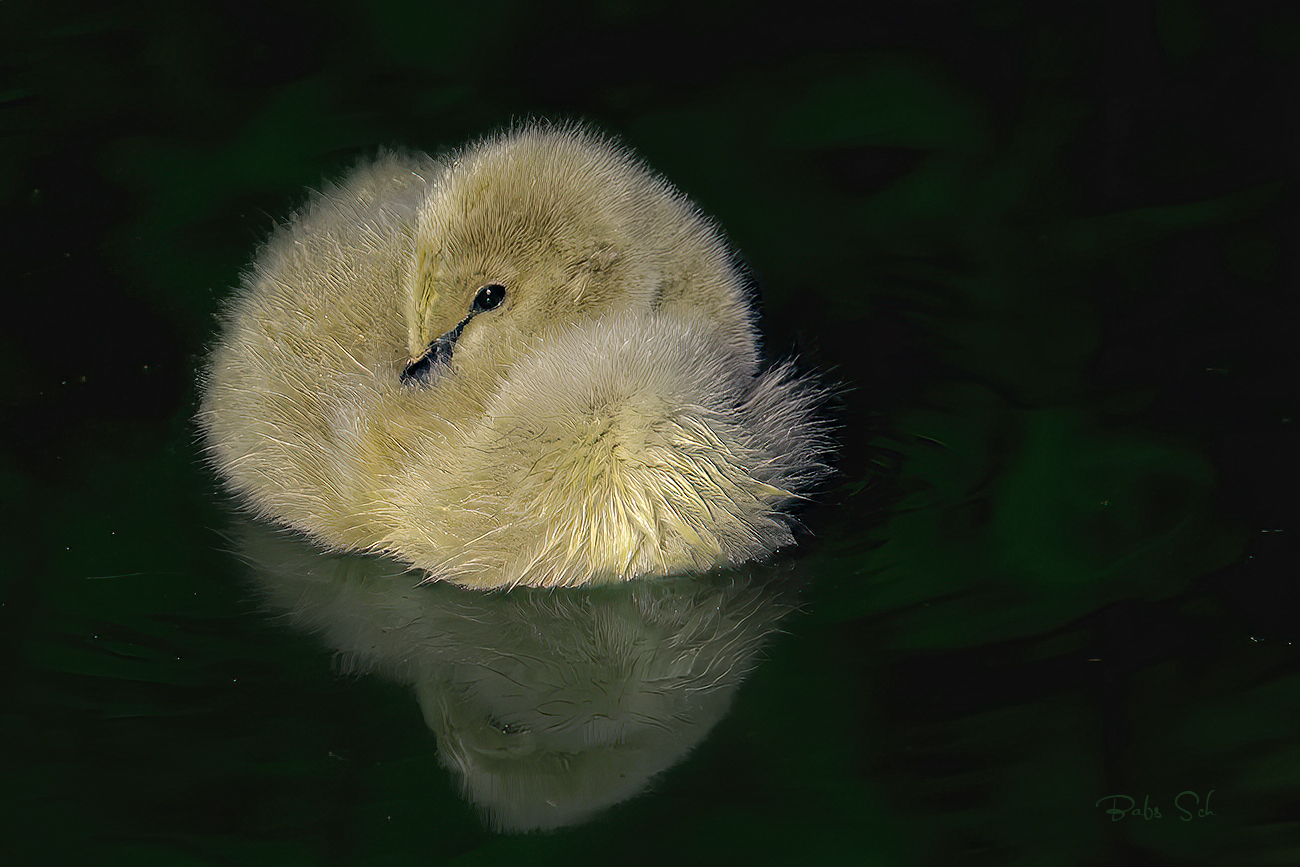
[530, 363]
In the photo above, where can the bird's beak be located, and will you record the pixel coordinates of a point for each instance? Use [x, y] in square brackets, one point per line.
[422, 371]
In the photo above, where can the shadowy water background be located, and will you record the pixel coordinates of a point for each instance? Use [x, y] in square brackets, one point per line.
[1048, 248]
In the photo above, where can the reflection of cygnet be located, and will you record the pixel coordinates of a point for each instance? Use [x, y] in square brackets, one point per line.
[530, 363]
[550, 705]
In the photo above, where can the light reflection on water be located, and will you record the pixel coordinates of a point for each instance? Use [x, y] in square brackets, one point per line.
[548, 704]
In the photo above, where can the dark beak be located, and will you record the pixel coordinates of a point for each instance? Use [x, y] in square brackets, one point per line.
[423, 370]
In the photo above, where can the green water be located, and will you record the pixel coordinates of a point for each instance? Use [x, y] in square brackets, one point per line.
[1046, 249]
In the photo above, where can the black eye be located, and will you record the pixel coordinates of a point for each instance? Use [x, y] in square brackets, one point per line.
[489, 297]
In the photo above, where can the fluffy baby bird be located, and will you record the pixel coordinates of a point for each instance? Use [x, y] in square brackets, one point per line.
[532, 362]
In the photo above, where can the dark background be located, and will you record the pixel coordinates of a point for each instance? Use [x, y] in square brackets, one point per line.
[1047, 248]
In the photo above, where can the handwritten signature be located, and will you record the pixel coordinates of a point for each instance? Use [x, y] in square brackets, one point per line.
[1186, 802]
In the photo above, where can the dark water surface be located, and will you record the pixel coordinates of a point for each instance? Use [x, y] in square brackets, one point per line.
[1049, 251]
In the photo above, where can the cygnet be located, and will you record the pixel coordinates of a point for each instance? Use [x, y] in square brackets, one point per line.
[530, 362]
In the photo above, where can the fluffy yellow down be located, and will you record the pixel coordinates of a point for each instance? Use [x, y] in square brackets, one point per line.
[608, 418]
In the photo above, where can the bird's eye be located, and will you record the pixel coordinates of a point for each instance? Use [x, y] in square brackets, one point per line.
[489, 297]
